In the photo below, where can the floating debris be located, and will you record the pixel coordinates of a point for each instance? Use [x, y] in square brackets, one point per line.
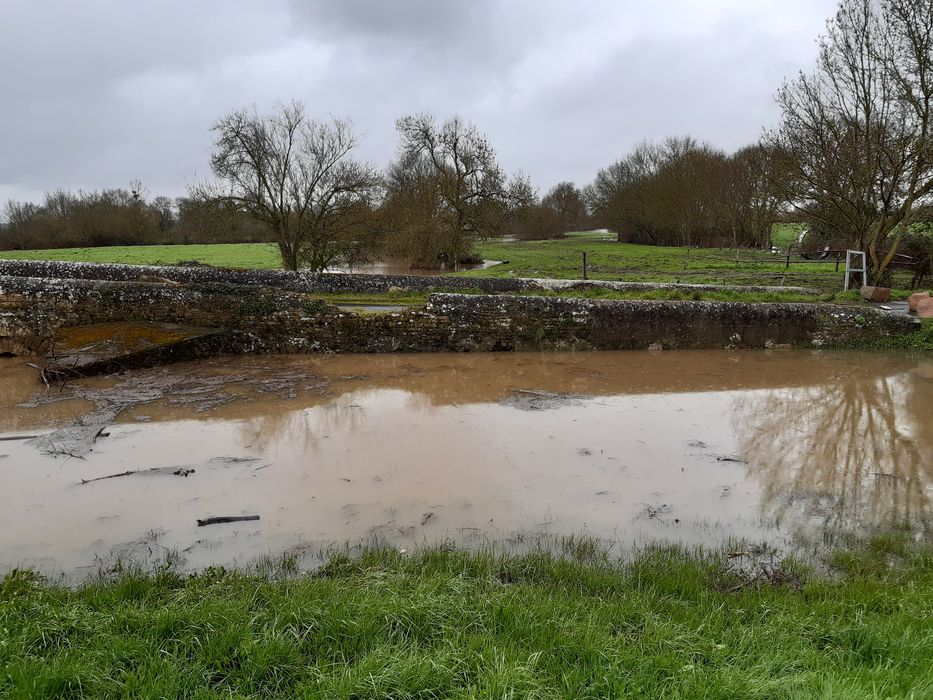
[173, 471]
[654, 512]
[226, 519]
[201, 389]
[538, 400]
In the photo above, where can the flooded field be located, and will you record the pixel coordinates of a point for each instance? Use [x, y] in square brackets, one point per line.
[695, 447]
[403, 267]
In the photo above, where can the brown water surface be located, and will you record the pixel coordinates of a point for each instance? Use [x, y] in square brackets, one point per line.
[695, 447]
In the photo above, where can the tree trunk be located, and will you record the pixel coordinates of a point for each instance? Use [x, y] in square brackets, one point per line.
[289, 257]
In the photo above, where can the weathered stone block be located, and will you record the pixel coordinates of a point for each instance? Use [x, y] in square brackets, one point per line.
[881, 294]
[914, 299]
[925, 308]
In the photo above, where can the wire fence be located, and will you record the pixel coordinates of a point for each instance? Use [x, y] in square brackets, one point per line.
[737, 267]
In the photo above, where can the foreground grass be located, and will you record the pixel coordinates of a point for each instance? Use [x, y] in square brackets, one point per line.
[450, 624]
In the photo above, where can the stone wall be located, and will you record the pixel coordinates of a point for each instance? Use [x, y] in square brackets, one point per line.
[638, 324]
[95, 301]
[258, 319]
[335, 283]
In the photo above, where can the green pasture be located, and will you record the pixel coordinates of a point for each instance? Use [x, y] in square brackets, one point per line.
[579, 624]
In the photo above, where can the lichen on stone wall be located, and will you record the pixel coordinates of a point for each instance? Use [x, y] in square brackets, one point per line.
[338, 282]
[255, 318]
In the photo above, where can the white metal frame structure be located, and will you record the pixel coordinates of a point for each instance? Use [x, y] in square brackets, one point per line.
[857, 256]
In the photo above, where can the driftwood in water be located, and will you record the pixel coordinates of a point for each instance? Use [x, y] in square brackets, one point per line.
[226, 519]
[180, 471]
[109, 476]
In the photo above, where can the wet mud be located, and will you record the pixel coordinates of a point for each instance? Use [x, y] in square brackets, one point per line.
[695, 447]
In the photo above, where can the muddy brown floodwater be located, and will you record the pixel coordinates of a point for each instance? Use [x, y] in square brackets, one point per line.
[403, 267]
[695, 447]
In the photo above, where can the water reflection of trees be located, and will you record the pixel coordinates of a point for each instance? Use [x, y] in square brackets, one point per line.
[856, 452]
[301, 428]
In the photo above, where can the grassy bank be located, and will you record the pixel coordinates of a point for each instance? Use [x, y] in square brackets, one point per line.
[449, 624]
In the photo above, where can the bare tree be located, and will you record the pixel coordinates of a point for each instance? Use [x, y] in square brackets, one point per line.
[566, 200]
[681, 192]
[627, 195]
[22, 218]
[459, 183]
[295, 176]
[410, 213]
[163, 208]
[614, 198]
[210, 221]
[751, 204]
[856, 132]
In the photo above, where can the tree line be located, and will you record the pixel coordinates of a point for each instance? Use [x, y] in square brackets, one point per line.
[121, 216]
[680, 192]
[852, 157]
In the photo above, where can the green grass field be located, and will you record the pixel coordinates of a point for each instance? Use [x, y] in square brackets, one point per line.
[609, 260]
[554, 258]
[254, 255]
[562, 259]
[785, 235]
[447, 624]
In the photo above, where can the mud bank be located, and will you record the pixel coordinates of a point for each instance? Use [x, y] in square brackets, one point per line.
[249, 319]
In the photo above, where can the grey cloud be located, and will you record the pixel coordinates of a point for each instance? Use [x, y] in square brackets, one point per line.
[99, 92]
[418, 21]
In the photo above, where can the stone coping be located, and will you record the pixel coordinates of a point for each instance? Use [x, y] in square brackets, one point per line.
[344, 282]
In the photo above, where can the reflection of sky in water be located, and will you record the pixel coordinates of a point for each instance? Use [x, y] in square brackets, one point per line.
[798, 439]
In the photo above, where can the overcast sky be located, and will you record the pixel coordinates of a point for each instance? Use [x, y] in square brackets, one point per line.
[97, 93]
